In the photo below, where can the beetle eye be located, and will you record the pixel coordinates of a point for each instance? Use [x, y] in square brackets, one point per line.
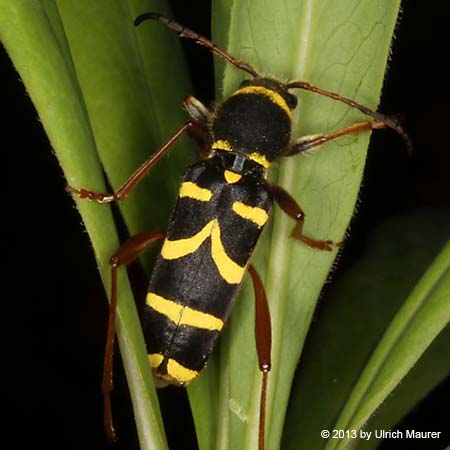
[245, 83]
[291, 101]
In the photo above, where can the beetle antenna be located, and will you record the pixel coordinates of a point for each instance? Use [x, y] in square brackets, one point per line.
[389, 121]
[187, 33]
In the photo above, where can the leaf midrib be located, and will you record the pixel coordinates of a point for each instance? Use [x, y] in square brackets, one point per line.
[280, 245]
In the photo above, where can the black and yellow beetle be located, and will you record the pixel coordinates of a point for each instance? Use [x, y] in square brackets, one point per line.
[224, 201]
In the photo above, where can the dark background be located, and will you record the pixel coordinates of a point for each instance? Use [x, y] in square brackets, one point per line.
[55, 310]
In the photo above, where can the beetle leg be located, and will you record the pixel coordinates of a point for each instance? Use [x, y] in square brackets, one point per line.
[306, 143]
[263, 333]
[129, 251]
[136, 177]
[292, 209]
[392, 121]
[198, 111]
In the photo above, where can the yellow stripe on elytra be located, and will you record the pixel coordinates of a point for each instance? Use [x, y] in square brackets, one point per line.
[179, 373]
[274, 96]
[230, 271]
[231, 177]
[166, 307]
[252, 213]
[182, 247]
[183, 315]
[176, 373]
[200, 319]
[191, 190]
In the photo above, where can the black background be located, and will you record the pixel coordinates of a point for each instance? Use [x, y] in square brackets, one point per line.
[54, 312]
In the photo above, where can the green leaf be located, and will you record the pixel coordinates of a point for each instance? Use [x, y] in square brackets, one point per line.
[422, 317]
[340, 46]
[133, 107]
[352, 320]
[94, 83]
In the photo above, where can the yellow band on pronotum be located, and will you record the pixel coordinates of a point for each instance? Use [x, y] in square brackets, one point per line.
[222, 145]
[259, 158]
[255, 156]
[274, 97]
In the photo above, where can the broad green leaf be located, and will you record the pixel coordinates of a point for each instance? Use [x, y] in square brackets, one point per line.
[353, 318]
[103, 89]
[133, 93]
[422, 317]
[341, 46]
[204, 401]
[106, 92]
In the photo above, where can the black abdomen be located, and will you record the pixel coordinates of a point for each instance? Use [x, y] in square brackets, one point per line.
[211, 237]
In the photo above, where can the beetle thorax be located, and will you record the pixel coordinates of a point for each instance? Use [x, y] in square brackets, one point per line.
[255, 119]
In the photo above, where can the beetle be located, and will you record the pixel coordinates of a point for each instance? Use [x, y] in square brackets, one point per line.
[224, 201]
